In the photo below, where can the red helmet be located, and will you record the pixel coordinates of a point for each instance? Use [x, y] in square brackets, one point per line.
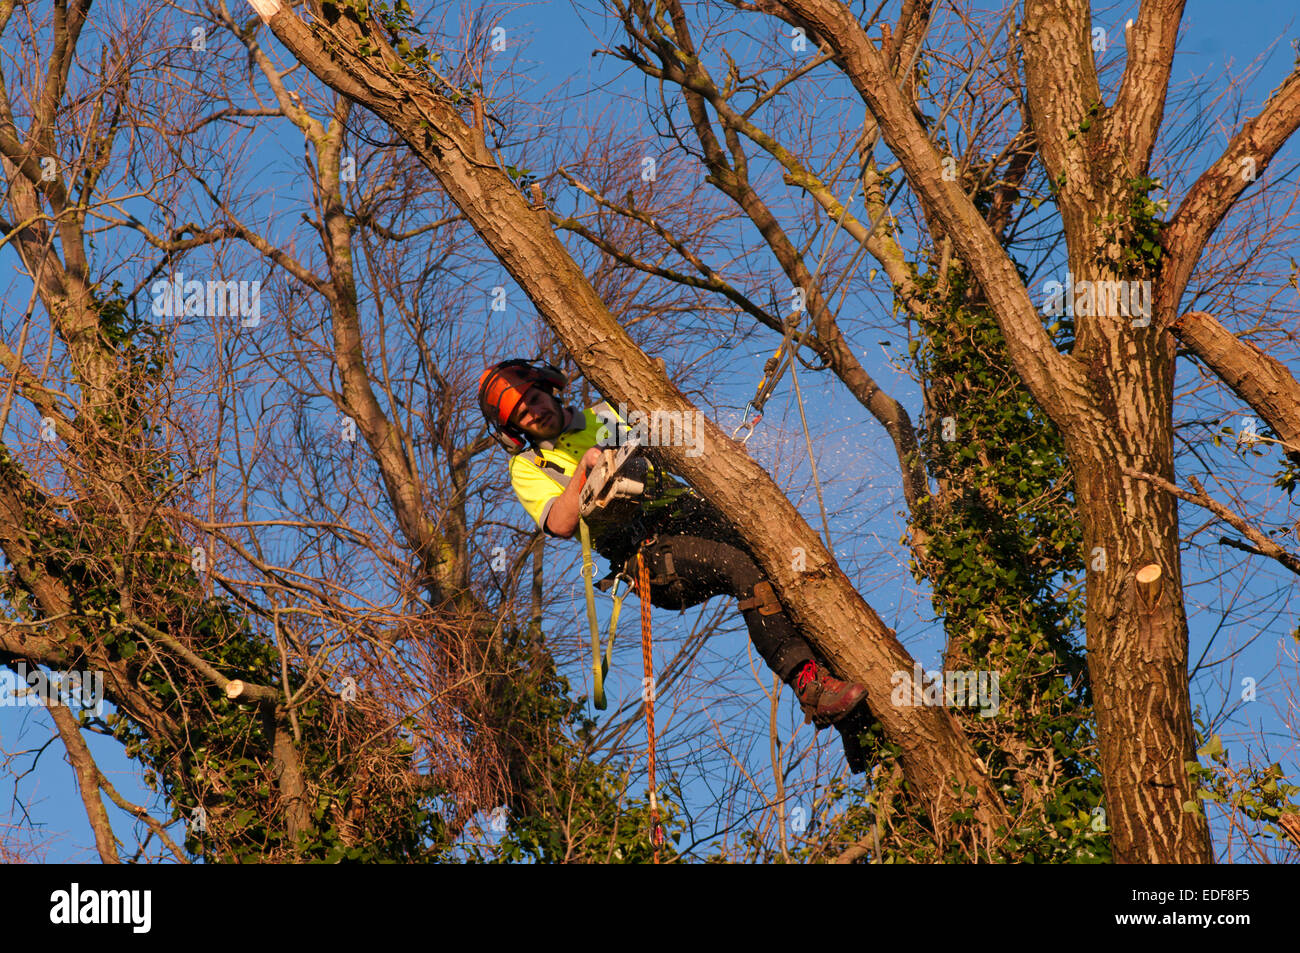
[503, 387]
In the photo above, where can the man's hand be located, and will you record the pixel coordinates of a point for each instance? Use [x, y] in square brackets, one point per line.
[562, 520]
[590, 460]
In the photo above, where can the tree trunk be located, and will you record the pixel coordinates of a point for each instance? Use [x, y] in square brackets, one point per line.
[1137, 638]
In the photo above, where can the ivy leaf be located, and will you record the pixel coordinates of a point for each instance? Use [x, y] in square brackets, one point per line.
[1213, 749]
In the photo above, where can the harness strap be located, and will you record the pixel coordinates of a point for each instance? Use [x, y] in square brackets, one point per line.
[763, 599]
[588, 581]
[599, 665]
[559, 476]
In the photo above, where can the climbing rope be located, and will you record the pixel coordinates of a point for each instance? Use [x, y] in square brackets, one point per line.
[648, 693]
[784, 356]
[812, 460]
[773, 371]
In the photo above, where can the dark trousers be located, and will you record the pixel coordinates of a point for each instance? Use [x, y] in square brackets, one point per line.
[693, 557]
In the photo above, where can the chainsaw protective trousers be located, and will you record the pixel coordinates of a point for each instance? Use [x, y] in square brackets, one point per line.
[687, 570]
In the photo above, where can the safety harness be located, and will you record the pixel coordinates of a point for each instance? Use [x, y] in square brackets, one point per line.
[618, 492]
[606, 491]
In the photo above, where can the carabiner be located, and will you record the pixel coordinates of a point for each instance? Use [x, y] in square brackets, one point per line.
[620, 575]
[746, 422]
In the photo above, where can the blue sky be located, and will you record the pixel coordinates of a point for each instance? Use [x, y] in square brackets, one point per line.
[557, 41]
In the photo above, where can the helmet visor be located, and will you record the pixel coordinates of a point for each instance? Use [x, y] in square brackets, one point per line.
[503, 397]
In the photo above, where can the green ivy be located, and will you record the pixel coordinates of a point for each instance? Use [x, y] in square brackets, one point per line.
[1003, 545]
[1261, 795]
[221, 758]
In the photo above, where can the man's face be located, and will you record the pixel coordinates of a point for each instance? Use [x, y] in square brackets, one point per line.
[540, 415]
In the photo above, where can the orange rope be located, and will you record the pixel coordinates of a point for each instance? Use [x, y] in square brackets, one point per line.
[648, 694]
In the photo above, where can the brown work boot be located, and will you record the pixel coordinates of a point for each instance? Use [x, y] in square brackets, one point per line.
[825, 699]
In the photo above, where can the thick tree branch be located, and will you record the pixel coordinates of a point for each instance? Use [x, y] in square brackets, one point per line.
[235, 689]
[1219, 186]
[1135, 117]
[1258, 378]
[1054, 379]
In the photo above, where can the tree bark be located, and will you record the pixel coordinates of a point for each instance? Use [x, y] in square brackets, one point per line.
[87, 772]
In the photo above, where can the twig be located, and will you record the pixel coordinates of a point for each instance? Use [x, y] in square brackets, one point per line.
[1263, 545]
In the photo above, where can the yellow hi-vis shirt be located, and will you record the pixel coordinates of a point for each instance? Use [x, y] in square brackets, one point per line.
[540, 473]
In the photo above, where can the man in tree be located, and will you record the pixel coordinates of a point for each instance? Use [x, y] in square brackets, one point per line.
[687, 544]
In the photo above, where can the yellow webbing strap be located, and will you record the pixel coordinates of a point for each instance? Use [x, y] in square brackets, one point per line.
[599, 665]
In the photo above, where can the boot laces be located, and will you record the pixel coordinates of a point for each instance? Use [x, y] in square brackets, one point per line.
[807, 675]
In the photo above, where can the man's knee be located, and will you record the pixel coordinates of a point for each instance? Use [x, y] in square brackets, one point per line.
[669, 571]
[661, 562]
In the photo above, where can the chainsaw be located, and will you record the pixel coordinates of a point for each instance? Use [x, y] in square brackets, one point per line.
[616, 483]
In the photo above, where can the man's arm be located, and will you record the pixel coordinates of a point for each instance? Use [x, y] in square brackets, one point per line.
[562, 518]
